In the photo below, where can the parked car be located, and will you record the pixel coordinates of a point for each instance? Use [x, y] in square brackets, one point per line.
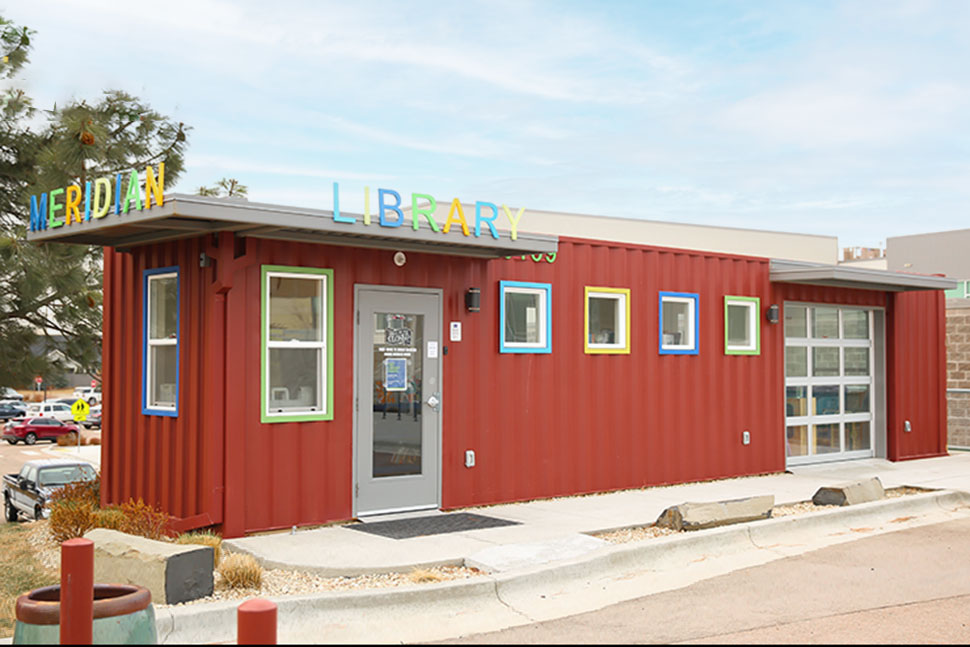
[67, 401]
[6, 393]
[12, 409]
[94, 418]
[90, 393]
[30, 430]
[57, 410]
[27, 492]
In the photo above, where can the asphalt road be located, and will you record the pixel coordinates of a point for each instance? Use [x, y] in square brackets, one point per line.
[909, 586]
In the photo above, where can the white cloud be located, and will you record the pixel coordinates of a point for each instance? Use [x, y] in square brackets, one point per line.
[817, 115]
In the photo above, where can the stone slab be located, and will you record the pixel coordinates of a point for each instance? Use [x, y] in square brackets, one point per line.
[697, 516]
[173, 573]
[850, 493]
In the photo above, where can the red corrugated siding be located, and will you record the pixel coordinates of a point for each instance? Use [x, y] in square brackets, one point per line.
[541, 425]
[153, 457]
[916, 381]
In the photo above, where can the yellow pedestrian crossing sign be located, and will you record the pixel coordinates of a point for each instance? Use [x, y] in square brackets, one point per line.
[80, 409]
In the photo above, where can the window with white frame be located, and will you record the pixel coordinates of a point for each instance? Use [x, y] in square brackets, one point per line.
[678, 323]
[161, 342]
[742, 330]
[607, 320]
[297, 342]
[525, 324]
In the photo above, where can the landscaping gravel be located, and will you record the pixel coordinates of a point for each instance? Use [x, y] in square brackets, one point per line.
[278, 582]
[641, 533]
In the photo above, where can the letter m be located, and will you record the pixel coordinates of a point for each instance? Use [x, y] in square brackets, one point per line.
[38, 212]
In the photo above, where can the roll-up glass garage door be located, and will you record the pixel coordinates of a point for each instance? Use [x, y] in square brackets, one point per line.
[828, 383]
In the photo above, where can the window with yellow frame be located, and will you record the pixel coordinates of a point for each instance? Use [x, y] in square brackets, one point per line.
[607, 320]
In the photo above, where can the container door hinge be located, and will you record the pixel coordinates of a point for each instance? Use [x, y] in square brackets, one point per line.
[357, 490]
[358, 317]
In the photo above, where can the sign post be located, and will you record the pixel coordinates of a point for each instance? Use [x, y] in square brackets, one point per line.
[80, 409]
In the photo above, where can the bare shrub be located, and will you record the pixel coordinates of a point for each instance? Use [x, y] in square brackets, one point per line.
[240, 571]
[144, 520]
[204, 538]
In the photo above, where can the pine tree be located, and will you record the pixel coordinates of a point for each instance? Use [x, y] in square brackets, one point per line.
[53, 290]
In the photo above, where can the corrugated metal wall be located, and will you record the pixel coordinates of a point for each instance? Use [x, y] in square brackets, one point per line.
[541, 425]
[916, 381]
[154, 457]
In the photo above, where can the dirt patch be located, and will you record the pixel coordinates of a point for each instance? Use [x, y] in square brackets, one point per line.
[22, 571]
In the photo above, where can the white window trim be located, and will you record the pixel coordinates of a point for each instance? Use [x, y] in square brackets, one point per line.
[752, 307]
[621, 331]
[541, 321]
[154, 343]
[319, 346]
[690, 301]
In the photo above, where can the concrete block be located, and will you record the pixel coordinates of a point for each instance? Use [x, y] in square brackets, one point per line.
[850, 493]
[696, 516]
[172, 572]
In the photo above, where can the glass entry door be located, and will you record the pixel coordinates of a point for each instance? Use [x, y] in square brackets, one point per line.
[829, 386]
[399, 400]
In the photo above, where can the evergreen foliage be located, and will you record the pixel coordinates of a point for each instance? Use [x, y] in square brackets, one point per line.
[52, 291]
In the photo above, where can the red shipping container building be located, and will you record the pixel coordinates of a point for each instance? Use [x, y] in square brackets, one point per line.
[454, 407]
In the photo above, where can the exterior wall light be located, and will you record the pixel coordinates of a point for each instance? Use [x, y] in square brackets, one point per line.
[400, 259]
[772, 313]
[473, 299]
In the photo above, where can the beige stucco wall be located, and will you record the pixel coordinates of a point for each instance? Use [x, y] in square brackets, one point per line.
[943, 252]
[731, 240]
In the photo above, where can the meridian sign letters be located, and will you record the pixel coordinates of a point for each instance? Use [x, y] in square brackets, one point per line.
[45, 210]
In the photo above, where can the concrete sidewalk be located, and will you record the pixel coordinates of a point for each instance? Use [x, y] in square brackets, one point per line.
[555, 529]
[550, 567]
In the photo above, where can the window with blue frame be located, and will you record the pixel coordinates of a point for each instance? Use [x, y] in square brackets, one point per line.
[525, 322]
[161, 342]
[679, 319]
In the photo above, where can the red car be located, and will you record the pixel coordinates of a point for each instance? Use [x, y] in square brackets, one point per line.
[30, 430]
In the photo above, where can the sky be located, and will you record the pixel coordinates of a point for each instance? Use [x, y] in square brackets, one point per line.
[837, 118]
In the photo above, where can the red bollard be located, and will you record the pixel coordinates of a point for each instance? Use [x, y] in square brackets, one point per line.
[77, 591]
[256, 622]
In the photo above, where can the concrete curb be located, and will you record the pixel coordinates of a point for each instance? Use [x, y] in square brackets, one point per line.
[436, 611]
[330, 571]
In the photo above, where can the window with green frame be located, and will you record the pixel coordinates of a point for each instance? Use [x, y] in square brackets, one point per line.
[296, 382]
[742, 325]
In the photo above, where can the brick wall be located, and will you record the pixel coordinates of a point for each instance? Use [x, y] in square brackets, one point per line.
[958, 371]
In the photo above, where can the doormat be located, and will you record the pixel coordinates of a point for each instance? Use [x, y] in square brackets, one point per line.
[434, 525]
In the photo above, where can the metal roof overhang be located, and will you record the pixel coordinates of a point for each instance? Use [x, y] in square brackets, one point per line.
[187, 216]
[855, 277]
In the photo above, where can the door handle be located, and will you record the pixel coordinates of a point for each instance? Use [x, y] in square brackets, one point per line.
[433, 402]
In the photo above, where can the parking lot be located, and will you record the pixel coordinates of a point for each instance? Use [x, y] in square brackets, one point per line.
[12, 457]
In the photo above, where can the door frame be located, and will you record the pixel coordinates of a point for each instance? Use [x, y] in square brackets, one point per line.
[355, 431]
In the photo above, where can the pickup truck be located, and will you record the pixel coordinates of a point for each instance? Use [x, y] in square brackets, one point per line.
[27, 492]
